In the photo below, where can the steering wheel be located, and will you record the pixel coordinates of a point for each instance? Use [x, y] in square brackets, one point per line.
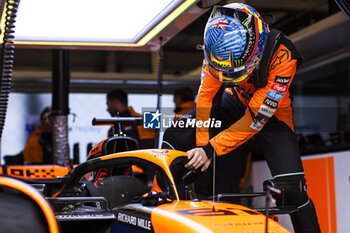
[191, 176]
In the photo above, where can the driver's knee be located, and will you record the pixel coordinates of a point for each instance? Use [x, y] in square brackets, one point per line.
[293, 191]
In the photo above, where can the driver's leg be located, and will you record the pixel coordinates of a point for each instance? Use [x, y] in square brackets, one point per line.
[279, 145]
[230, 168]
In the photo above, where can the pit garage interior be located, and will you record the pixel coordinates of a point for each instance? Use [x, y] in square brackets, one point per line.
[321, 89]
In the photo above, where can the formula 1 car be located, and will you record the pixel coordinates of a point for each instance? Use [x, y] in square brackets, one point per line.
[126, 203]
[106, 194]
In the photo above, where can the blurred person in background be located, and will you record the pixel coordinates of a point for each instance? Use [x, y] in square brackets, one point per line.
[38, 149]
[117, 105]
[184, 101]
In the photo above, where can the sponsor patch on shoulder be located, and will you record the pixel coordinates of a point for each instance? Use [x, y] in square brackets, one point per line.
[270, 102]
[266, 111]
[282, 56]
[279, 87]
[256, 126]
[261, 118]
[282, 80]
[275, 95]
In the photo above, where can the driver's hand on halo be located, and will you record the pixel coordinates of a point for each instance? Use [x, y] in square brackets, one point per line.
[197, 158]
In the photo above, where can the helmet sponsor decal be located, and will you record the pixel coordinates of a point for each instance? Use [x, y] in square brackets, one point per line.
[250, 45]
[275, 95]
[266, 111]
[239, 62]
[282, 80]
[225, 63]
[256, 126]
[271, 103]
[283, 55]
[261, 118]
[279, 87]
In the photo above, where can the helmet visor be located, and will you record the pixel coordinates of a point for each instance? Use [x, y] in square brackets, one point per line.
[235, 75]
[220, 11]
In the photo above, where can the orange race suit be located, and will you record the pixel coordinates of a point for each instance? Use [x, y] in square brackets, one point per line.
[262, 103]
[38, 148]
[257, 115]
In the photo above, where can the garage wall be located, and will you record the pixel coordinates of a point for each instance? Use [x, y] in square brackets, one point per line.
[328, 186]
[24, 111]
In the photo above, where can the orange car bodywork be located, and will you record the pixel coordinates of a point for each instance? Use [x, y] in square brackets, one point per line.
[203, 216]
[194, 216]
[36, 196]
[161, 157]
[178, 216]
[34, 172]
[191, 216]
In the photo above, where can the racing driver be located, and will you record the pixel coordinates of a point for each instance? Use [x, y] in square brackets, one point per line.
[246, 75]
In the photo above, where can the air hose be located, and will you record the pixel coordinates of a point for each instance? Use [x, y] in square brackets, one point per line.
[6, 58]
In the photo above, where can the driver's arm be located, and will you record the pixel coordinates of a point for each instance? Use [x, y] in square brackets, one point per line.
[209, 98]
